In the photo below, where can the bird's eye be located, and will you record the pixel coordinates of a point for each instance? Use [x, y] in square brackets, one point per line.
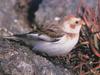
[76, 22]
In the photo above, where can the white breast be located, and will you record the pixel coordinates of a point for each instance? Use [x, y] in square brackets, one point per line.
[63, 46]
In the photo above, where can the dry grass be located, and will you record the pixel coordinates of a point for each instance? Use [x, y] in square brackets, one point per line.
[86, 56]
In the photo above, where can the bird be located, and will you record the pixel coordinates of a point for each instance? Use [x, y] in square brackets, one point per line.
[54, 39]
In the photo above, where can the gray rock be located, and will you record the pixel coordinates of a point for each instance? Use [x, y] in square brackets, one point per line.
[11, 19]
[16, 59]
[49, 9]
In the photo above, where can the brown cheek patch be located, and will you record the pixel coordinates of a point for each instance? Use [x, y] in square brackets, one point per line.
[72, 26]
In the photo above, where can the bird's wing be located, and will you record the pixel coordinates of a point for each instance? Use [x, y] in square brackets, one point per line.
[52, 30]
[50, 33]
[37, 36]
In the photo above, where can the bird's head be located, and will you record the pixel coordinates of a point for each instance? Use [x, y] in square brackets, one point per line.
[72, 24]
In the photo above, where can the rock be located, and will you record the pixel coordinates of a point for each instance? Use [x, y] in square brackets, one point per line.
[48, 10]
[15, 59]
[18, 15]
[10, 18]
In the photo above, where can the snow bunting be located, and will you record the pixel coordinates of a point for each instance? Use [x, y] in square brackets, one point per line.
[54, 39]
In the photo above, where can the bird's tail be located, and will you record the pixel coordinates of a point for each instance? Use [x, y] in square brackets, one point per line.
[11, 38]
[22, 38]
[16, 37]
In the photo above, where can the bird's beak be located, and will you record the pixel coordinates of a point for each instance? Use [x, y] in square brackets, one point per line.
[82, 22]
